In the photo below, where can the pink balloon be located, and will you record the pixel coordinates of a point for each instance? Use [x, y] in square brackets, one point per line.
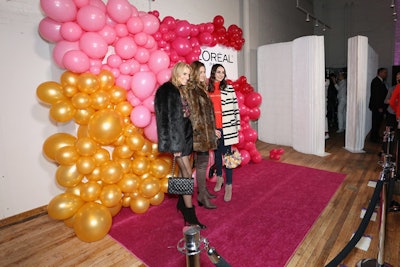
[121, 30]
[253, 99]
[124, 81]
[243, 110]
[143, 84]
[256, 157]
[150, 23]
[240, 98]
[151, 43]
[141, 38]
[71, 31]
[249, 146]
[151, 130]
[194, 31]
[205, 38]
[134, 65]
[149, 103]
[133, 100]
[126, 47]
[183, 28]
[108, 33]
[254, 113]
[142, 55]
[191, 57]
[135, 25]
[58, 10]
[119, 10]
[163, 76]
[135, 12]
[81, 3]
[49, 29]
[98, 4]
[93, 45]
[250, 135]
[169, 22]
[182, 46]
[76, 61]
[91, 18]
[115, 72]
[125, 68]
[158, 61]
[114, 61]
[140, 116]
[144, 68]
[61, 48]
[241, 140]
[245, 157]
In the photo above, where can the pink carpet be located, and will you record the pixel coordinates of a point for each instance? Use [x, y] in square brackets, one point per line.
[273, 207]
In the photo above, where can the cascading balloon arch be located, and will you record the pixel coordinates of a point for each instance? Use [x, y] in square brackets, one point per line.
[115, 57]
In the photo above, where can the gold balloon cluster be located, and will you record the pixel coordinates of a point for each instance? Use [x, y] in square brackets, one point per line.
[109, 164]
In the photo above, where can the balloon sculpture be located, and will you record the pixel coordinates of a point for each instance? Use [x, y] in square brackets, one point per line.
[115, 57]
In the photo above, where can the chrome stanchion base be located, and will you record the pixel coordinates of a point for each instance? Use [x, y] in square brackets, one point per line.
[371, 263]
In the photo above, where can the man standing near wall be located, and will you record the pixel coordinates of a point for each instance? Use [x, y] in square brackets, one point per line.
[377, 103]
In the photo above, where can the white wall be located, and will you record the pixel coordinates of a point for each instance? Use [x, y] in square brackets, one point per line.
[26, 178]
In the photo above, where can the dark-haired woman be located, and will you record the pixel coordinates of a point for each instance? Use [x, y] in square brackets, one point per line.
[227, 121]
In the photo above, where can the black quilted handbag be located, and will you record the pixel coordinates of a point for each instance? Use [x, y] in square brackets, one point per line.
[180, 185]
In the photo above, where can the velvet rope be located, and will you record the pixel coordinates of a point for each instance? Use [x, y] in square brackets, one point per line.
[361, 229]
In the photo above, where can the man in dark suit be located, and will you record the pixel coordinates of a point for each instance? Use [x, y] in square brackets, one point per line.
[377, 103]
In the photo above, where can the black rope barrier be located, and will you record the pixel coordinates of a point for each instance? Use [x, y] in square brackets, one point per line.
[361, 228]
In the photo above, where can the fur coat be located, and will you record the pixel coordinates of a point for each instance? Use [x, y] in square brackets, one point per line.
[169, 118]
[202, 119]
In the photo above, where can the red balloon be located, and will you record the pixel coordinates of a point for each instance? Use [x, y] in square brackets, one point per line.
[249, 146]
[256, 157]
[253, 100]
[182, 46]
[194, 31]
[183, 28]
[205, 38]
[254, 114]
[209, 27]
[243, 110]
[250, 135]
[245, 157]
[218, 20]
[169, 22]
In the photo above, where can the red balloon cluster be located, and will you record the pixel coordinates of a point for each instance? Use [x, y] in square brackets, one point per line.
[276, 153]
[249, 103]
[182, 40]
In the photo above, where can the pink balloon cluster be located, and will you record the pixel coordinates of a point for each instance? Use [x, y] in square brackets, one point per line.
[276, 153]
[183, 40]
[90, 35]
[249, 103]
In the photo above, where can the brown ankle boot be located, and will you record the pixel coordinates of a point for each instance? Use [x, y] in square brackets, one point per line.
[228, 193]
[218, 185]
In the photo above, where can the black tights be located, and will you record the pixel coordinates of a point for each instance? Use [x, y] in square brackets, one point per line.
[185, 170]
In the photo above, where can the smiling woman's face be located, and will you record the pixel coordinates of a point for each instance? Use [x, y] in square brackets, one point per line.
[184, 76]
[219, 74]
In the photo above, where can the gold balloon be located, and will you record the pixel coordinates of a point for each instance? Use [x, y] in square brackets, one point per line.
[154, 149]
[125, 164]
[135, 141]
[120, 141]
[68, 175]
[106, 79]
[70, 221]
[157, 199]
[86, 146]
[129, 183]
[140, 165]
[62, 111]
[124, 108]
[69, 90]
[159, 168]
[90, 191]
[105, 126]
[69, 78]
[110, 195]
[149, 187]
[82, 116]
[145, 176]
[123, 151]
[164, 185]
[85, 165]
[126, 201]
[82, 131]
[111, 172]
[94, 175]
[130, 129]
[101, 156]
[92, 222]
[56, 141]
[88, 83]
[76, 190]
[50, 92]
[117, 94]
[67, 155]
[139, 204]
[146, 148]
[81, 100]
[100, 99]
[115, 209]
[63, 206]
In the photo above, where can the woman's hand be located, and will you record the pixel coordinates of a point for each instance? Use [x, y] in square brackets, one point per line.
[177, 154]
[218, 133]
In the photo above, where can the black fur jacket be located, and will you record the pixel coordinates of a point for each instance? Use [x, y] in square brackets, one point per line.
[202, 119]
[169, 118]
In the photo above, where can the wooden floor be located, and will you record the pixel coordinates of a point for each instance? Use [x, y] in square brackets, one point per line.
[40, 241]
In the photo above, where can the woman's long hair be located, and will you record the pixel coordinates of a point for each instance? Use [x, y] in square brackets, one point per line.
[194, 80]
[223, 83]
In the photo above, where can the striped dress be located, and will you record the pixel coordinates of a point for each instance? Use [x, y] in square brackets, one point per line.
[230, 116]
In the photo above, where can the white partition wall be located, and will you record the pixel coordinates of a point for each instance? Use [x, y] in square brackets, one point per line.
[291, 82]
[362, 64]
[275, 86]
